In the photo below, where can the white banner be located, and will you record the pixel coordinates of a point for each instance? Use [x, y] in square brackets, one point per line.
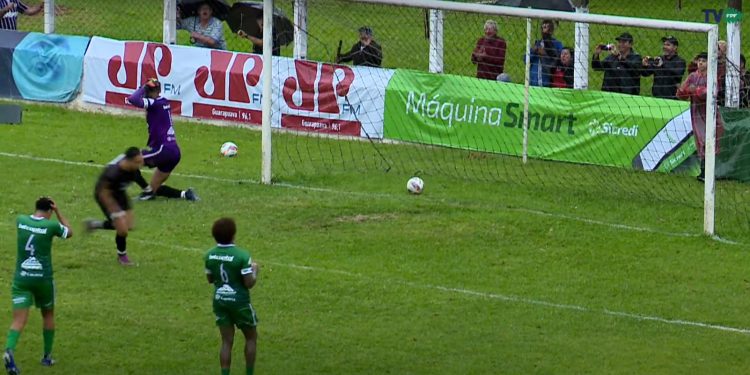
[223, 85]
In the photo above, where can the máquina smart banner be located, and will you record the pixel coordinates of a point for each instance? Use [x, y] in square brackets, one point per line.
[577, 126]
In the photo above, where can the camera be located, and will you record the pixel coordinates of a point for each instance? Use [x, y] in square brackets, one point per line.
[654, 60]
[606, 47]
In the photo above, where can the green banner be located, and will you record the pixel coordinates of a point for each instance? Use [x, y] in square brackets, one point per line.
[579, 126]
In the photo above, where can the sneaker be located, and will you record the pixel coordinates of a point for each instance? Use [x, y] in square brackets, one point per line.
[146, 196]
[10, 363]
[190, 195]
[124, 260]
[91, 225]
[47, 360]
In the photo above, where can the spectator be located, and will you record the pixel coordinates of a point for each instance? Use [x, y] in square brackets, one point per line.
[544, 56]
[744, 84]
[721, 68]
[667, 69]
[694, 89]
[205, 30]
[366, 52]
[621, 68]
[489, 54]
[562, 75]
[258, 41]
[9, 10]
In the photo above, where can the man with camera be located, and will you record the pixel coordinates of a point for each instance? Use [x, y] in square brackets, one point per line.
[667, 69]
[544, 56]
[622, 68]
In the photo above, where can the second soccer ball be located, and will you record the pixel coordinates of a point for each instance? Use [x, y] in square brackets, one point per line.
[228, 149]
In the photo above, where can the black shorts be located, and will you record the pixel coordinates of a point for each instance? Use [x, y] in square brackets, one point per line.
[120, 197]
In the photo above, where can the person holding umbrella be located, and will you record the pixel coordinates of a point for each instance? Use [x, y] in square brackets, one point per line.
[246, 19]
[205, 30]
[258, 41]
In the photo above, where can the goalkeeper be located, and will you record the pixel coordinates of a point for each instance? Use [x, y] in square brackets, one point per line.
[163, 152]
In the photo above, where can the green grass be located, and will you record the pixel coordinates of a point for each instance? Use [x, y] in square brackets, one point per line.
[359, 277]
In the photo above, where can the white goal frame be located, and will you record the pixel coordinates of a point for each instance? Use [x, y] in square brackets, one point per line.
[580, 18]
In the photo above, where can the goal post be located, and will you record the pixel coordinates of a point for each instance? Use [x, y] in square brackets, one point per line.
[709, 200]
[267, 97]
[435, 115]
[588, 18]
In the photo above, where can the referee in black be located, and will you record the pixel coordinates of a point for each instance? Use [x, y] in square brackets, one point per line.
[111, 196]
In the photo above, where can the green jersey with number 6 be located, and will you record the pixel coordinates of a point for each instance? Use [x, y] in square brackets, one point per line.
[35, 236]
[228, 264]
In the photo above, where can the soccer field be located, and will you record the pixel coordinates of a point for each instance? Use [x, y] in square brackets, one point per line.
[358, 277]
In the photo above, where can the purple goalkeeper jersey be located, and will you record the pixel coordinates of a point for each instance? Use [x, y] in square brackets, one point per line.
[158, 117]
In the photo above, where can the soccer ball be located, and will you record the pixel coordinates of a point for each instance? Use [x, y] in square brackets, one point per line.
[228, 149]
[415, 185]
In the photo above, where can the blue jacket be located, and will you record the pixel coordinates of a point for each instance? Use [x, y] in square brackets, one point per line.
[541, 66]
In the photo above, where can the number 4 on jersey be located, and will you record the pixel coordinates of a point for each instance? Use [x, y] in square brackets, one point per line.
[30, 245]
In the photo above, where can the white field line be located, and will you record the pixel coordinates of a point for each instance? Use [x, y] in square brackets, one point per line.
[492, 296]
[385, 195]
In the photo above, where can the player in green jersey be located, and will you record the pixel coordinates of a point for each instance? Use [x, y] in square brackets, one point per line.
[33, 282]
[232, 272]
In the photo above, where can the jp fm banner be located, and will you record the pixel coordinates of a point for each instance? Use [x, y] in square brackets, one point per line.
[577, 126]
[223, 85]
[42, 67]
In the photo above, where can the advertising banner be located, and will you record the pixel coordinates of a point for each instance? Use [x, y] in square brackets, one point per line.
[223, 85]
[42, 67]
[578, 126]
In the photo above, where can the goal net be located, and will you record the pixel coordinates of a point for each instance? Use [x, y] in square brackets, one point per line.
[577, 107]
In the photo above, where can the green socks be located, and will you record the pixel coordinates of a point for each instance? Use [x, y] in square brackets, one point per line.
[225, 371]
[49, 338]
[13, 336]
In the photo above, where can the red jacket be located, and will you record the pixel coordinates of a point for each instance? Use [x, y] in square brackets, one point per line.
[490, 63]
[694, 89]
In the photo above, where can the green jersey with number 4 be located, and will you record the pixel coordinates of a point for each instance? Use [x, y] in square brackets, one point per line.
[35, 236]
[227, 264]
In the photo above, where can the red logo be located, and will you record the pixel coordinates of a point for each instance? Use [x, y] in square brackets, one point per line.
[327, 92]
[131, 60]
[217, 73]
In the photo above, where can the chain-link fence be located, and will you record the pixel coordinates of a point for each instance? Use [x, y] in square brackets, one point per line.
[142, 19]
[405, 45]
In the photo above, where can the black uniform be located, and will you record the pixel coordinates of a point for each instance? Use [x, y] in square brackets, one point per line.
[116, 180]
[667, 78]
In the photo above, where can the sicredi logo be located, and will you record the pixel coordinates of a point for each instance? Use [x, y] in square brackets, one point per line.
[596, 128]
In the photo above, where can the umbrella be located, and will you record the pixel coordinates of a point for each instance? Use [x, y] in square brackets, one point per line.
[244, 15]
[559, 5]
[189, 8]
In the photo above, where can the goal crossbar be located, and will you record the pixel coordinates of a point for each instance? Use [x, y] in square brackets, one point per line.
[500, 10]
